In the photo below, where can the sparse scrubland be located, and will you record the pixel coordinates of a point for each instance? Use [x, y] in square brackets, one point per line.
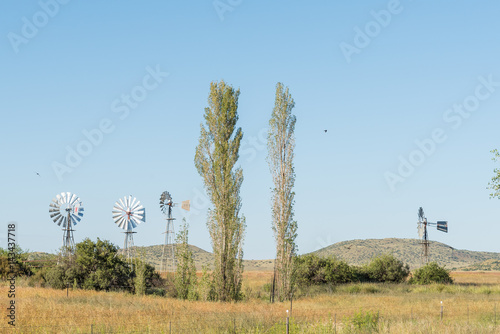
[469, 307]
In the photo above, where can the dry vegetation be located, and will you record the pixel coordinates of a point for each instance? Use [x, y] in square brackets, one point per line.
[468, 307]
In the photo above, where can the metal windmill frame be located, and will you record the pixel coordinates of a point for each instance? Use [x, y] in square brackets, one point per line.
[168, 260]
[423, 234]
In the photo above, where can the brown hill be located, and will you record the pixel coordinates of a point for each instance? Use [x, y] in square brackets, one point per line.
[409, 251]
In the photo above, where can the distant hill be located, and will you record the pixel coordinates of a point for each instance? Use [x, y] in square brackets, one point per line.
[359, 252]
[354, 252]
[488, 265]
[152, 255]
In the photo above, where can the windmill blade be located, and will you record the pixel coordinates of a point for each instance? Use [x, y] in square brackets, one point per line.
[186, 205]
[121, 222]
[122, 204]
[64, 221]
[136, 206]
[132, 203]
[72, 199]
[55, 217]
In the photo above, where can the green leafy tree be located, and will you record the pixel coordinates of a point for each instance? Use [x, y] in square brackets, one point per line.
[431, 273]
[387, 269]
[215, 159]
[494, 184]
[185, 278]
[16, 264]
[280, 145]
[98, 267]
[140, 278]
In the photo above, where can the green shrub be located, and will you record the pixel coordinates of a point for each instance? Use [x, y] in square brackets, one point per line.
[387, 269]
[431, 273]
[311, 269]
[364, 322]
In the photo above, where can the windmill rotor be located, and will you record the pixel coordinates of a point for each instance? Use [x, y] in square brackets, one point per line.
[66, 210]
[127, 214]
[166, 202]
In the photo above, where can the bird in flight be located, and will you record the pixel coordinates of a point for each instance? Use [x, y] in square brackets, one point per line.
[326, 131]
[37, 174]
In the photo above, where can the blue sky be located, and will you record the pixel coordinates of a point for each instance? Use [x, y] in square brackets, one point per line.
[409, 92]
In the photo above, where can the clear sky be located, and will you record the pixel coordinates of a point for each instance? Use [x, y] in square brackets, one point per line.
[409, 92]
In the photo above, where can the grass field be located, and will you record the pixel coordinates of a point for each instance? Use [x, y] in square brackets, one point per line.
[471, 306]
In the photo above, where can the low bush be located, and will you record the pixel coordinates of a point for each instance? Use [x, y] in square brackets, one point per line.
[431, 273]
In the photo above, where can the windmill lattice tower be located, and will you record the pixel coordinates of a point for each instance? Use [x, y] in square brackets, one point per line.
[423, 235]
[168, 261]
[127, 214]
[66, 209]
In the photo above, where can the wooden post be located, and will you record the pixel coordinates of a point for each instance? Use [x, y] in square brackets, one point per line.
[67, 289]
[335, 323]
[91, 328]
[441, 310]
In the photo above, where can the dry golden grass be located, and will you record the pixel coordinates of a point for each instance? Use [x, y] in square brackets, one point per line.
[402, 309]
[476, 277]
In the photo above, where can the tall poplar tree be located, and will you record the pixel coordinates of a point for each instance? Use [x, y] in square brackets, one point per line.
[280, 145]
[215, 160]
[494, 184]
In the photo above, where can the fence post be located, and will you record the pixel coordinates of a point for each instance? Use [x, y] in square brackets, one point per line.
[287, 323]
[234, 325]
[335, 323]
[441, 310]
[67, 289]
[170, 326]
[91, 328]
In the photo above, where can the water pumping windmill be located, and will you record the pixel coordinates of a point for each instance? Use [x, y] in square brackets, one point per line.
[168, 253]
[66, 209]
[423, 235]
[127, 214]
